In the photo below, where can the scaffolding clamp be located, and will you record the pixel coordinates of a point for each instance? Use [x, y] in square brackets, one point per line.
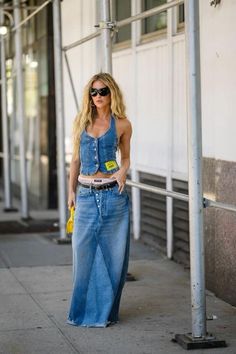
[107, 25]
[205, 203]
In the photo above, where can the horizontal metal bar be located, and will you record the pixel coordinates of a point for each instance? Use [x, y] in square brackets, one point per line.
[23, 7]
[180, 196]
[126, 21]
[17, 157]
[8, 78]
[71, 82]
[39, 8]
[31, 15]
[148, 13]
[220, 205]
[158, 190]
[81, 41]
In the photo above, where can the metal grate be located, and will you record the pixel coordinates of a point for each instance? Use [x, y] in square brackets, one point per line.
[181, 224]
[153, 212]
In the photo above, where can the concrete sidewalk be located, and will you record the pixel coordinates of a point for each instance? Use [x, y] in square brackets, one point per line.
[35, 293]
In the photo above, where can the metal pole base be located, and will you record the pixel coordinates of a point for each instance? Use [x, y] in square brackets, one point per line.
[130, 277]
[26, 218]
[10, 210]
[188, 342]
[62, 241]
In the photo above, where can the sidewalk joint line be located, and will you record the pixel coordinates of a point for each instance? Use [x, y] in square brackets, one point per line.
[49, 316]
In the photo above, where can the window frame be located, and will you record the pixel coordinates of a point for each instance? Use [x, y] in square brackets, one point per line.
[180, 25]
[143, 38]
[158, 34]
[125, 43]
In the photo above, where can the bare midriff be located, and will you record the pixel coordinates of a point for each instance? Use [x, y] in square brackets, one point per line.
[98, 174]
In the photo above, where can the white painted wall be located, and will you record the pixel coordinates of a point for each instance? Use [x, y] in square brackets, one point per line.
[218, 57]
[151, 104]
[78, 20]
[152, 100]
[179, 107]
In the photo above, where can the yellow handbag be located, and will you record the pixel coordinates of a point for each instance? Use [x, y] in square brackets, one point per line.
[70, 221]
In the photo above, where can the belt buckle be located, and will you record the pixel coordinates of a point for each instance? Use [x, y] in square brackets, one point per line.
[103, 187]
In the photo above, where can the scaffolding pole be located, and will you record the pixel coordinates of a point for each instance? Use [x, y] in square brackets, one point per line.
[106, 36]
[5, 125]
[195, 171]
[20, 111]
[61, 166]
[19, 103]
[111, 25]
[199, 337]
[39, 8]
[170, 142]
[135, 192]
[71, 81]
[81, 41]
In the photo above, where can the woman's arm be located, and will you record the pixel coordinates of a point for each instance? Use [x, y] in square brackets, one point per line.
[73, 180]
[125, 154]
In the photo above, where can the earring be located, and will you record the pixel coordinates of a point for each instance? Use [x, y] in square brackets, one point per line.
[92, 104]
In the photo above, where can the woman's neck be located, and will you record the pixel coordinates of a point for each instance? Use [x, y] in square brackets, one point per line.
[103, 113]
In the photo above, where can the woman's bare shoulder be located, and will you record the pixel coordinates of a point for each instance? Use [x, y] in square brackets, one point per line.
[124, 123]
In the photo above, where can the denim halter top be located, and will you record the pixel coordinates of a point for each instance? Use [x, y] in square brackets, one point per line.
[99, 154]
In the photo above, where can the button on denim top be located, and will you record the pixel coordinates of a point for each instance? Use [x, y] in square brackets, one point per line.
[99, 154]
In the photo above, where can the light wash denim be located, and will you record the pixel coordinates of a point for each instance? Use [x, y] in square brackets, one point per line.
[100, 248]
[95, 153]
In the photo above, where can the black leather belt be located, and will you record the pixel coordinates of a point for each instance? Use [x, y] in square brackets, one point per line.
[101, 186]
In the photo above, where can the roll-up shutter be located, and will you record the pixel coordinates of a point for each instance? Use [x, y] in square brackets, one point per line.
[153, 212]
[181, 224]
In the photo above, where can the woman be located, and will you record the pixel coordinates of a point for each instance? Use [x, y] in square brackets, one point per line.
[100, 240]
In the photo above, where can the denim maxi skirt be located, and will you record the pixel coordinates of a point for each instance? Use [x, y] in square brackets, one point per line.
[100, 248]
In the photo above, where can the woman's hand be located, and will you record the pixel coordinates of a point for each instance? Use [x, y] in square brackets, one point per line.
[71, 200]
[120, 176]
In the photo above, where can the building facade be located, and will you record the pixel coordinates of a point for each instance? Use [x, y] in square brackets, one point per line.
[39, 105]
[149, 63]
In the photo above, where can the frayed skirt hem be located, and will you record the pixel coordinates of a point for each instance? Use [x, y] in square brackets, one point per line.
[98, 325]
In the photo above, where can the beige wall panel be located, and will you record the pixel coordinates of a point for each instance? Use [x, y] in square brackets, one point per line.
[180, 162]
[77, 24]
[152, 100]
[218, 58]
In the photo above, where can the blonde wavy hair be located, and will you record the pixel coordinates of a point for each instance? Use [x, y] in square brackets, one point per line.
[88, 110]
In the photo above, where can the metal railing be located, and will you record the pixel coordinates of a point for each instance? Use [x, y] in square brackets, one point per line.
[180, 196]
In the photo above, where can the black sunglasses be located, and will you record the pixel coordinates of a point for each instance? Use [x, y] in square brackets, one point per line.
[104, 91]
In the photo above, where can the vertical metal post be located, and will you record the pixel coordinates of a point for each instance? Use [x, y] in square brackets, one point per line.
[134, 173]
[20, 111]
[71, 81]
[199, 338]
[5, 125]
[169, 183]
[61, 167]
[195, 171]
[106, 37]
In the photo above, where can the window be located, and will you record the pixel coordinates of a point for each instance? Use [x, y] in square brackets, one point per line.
[181, 15]
[122, 10]
[154, 23]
